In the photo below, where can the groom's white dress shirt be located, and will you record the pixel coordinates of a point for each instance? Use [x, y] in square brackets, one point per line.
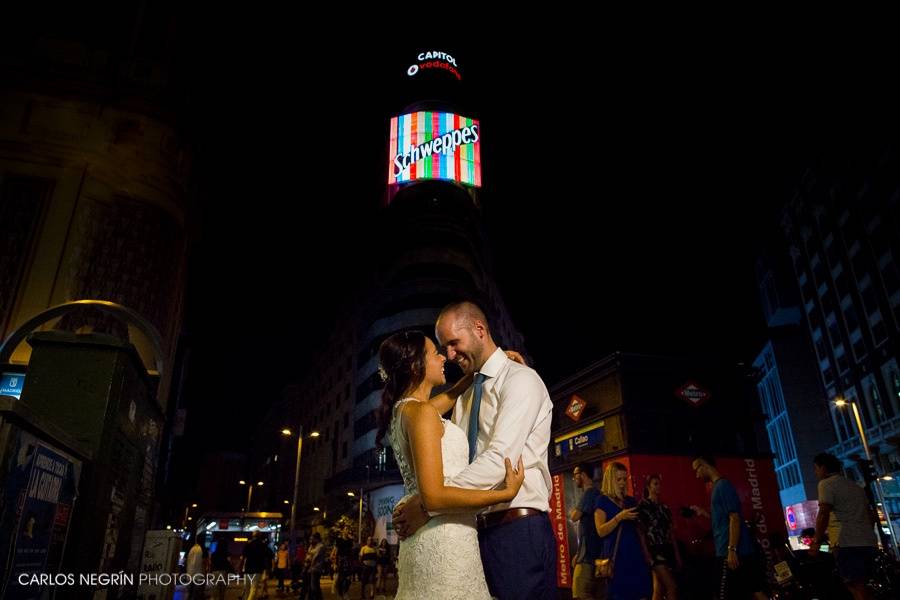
[514, 420]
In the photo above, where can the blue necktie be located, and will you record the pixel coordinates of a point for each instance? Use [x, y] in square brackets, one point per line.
[473, 414]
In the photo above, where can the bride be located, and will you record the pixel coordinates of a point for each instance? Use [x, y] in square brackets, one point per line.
[440, 560]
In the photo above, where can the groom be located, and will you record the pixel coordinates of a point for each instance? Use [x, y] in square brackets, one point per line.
[506, 412]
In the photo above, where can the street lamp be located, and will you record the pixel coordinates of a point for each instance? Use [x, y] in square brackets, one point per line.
[841, 403]
[250, 491]
[359, 524]
[187, 510]
[287, 432]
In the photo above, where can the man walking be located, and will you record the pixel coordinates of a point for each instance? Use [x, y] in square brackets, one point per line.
[845, 513]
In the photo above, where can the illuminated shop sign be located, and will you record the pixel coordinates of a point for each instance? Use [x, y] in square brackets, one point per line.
[435, 145]
[585, 437]
[434, 59]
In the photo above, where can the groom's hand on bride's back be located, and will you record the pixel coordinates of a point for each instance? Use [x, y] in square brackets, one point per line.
[409, 516]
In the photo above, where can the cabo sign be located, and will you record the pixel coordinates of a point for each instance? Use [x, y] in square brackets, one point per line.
[435, 145]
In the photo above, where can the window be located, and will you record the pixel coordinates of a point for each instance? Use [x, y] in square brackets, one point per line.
[859, 347]
[834, 330]
[827, 373]
[818, 271]
[344, 450]
[832, 251]
[870, 304]
[886, 409]
[364, 425]
[840, 423]
[850, 318]
[879, 331]
[891, 280]
[894, 386]
[821, 348]
[842, 284]
[806, 287]
[346, 419]
[815, 321]
[840, 356]
[859, 263]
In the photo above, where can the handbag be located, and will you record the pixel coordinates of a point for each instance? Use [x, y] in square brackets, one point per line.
[605, 567]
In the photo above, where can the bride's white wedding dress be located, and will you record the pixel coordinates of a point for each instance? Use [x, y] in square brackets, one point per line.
[441, 560]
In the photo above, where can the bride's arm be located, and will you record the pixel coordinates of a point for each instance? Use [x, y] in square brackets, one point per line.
[423, 424]
[445, 400]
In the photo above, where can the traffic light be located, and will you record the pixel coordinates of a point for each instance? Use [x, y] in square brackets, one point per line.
[867, 468]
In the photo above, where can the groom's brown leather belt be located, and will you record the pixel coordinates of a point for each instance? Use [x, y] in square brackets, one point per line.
[509, 515]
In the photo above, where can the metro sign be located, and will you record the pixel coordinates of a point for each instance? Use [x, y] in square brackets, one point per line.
[692, 393]
[575, 408]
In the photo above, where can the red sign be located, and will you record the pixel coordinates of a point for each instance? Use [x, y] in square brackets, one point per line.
[223, 524]
[791, 518]
[692, 393]
[561, 531]
[753, 479]
[575, 408]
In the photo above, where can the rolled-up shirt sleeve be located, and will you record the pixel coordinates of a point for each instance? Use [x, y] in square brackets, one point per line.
[521, 402]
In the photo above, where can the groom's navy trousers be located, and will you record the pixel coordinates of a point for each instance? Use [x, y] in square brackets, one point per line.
[519, 558]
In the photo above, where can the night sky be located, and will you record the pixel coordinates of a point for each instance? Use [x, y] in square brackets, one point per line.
[626, 194]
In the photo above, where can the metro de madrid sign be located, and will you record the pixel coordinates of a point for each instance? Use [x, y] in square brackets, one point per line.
[435, 145]
[434, 59]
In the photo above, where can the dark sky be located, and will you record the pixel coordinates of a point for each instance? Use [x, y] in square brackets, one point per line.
[625, 193]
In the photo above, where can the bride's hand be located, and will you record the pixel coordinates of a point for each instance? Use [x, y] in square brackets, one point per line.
[514, 478]
[515, 356]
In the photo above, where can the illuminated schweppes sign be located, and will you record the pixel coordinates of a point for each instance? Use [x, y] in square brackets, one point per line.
[435, 145]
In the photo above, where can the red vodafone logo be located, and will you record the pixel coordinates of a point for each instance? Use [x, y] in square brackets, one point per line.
[692, 393]
[435, 60]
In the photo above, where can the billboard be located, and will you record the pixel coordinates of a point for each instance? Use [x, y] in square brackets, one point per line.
[434, 145]
[381, 504]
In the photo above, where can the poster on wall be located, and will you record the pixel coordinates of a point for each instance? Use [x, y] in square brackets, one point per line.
[40, 489]
[382, 502]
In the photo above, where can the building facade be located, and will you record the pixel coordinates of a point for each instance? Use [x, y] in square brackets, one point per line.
[843, 232]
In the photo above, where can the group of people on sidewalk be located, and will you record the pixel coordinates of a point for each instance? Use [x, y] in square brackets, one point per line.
[637, 538]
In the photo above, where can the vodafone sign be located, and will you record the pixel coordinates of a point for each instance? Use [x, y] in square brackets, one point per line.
[434, 59]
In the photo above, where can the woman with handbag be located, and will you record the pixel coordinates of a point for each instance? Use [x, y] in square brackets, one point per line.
[625, 564]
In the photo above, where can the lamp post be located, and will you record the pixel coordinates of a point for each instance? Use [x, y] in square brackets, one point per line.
[312, 434]
[879, 493]
[249, 498]
[187, 510]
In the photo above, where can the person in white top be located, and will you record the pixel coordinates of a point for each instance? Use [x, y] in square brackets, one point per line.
[513, 413]
[194, 565]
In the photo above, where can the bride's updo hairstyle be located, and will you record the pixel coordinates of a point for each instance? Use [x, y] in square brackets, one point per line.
[402, 368]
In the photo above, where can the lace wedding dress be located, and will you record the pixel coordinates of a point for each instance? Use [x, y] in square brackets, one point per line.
[441, 560]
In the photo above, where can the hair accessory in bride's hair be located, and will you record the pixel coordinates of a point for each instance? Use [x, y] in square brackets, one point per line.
[382, 373]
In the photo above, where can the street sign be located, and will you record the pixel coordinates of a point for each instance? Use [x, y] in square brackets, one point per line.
[693, 394]
[585, 437]
[11, 384]
[575, 408]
